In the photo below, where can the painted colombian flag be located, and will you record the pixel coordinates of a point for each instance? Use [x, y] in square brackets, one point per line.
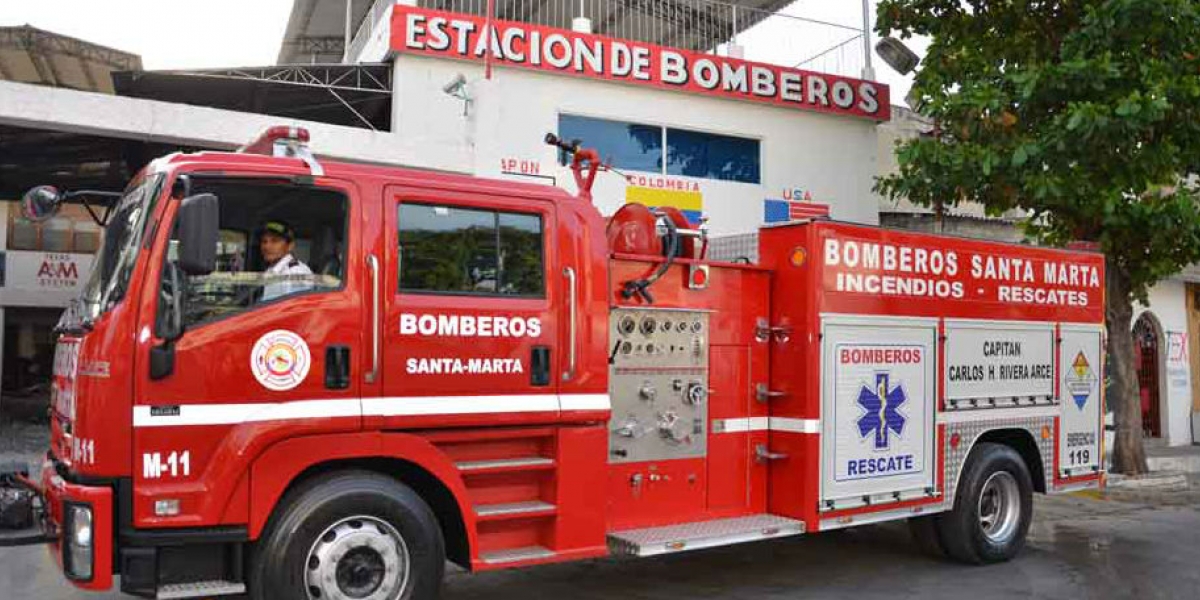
[691, 204]
[782, 211]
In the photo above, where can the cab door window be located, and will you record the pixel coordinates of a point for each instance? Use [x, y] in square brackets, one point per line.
[277, 241]
[455, 250]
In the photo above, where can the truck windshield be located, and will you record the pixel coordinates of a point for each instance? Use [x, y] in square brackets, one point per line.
[113, 266]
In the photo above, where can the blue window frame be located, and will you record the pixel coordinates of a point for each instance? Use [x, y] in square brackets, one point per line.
[626, 145]
[712, 156]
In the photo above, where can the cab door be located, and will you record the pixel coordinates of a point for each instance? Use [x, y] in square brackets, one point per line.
[248, 371]
[470, 337]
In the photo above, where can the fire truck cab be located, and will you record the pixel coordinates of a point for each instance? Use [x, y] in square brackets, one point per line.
[494, 374]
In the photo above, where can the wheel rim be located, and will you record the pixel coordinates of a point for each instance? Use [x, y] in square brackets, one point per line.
[999, 507]
[357, 558]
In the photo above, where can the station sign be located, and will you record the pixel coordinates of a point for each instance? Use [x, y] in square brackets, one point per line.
[529, 46]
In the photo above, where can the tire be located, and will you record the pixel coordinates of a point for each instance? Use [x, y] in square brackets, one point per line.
[992, 507]
[924, 531]
[349, 534]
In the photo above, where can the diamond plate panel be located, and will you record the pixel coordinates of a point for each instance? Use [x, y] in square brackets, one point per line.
[704, 534]
[970, 431]
[200, 589]
[741, 247]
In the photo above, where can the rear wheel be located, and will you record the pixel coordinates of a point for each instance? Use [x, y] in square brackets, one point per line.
[354, 535]
[992, 508]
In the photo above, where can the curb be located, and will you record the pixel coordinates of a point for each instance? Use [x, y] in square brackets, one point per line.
[1161, 481]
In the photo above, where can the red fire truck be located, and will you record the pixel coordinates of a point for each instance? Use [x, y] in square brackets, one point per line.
[494, 374]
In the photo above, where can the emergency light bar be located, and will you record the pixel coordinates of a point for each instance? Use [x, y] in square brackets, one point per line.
[286, 142]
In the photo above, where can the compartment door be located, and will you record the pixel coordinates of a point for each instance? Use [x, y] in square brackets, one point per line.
[878, 389]
[1080, 392]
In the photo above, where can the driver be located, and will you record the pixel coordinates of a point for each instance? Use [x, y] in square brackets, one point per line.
[285, 274]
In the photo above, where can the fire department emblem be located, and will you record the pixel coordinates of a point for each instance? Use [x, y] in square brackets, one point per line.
[1079, 380]
[882, 405]
[280, 360]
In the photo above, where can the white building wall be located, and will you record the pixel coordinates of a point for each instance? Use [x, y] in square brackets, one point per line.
[832, 157]
[1168, 305]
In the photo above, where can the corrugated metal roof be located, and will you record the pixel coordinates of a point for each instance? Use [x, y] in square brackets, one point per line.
[32, 55]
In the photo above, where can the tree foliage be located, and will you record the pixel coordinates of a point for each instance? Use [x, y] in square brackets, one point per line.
[1085, 113]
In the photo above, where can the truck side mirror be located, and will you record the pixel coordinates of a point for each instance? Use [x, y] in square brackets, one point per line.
[197, 229]
[41, 203]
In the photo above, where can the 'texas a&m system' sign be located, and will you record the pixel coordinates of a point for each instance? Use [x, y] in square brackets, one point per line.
[529, 46]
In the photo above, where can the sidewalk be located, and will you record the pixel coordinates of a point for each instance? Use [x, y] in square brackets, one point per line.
[1184, 459]
[1174, 473]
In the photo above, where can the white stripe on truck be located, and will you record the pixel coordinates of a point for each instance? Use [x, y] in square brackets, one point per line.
[408, 406]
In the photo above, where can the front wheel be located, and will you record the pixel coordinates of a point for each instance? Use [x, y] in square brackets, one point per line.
[355, 534]
[992, 509]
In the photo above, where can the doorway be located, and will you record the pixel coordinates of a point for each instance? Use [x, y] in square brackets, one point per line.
[1147, 350]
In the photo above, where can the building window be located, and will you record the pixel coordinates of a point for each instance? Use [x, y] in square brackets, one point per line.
[654, 149]
[71, 231]
[626, 145]
[712, 156]
[454, 250]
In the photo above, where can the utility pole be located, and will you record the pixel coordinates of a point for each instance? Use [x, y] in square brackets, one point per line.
[868, 71]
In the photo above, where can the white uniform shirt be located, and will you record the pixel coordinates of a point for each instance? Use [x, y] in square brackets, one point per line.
[290, 273]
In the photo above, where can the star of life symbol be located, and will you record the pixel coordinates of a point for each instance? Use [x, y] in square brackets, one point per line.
[882, 414]
[1079, 380]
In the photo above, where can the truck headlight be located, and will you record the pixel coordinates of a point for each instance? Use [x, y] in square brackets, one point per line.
[78, 546]
[81, 524]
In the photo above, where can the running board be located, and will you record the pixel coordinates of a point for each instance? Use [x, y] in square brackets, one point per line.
[531, 462]
[702, 534]
[200, 589]
[514, 510]
[500, 557]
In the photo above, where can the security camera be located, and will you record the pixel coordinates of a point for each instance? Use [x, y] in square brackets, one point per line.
[457, 88]
[454, 86]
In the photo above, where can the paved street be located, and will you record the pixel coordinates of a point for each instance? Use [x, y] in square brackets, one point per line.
[1079, 548]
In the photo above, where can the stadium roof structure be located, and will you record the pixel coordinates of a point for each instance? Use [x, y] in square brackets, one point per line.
[32, 55]
[358, 95]
[316, 30]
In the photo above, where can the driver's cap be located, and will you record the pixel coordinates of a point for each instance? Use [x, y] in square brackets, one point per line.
[279, 228]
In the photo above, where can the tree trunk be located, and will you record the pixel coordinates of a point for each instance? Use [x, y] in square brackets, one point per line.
[1129, 455]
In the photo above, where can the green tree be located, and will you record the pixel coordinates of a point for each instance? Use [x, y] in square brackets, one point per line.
[1086, 114]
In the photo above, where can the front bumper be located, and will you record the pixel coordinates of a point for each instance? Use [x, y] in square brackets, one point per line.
[59, 496]
[23, 520]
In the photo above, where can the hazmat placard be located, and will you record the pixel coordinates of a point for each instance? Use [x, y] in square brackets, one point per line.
[1081, 382]
[999, 360]
[879, 387]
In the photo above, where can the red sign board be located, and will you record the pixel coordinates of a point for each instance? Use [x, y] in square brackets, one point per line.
[866, 270]
[529, 46]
